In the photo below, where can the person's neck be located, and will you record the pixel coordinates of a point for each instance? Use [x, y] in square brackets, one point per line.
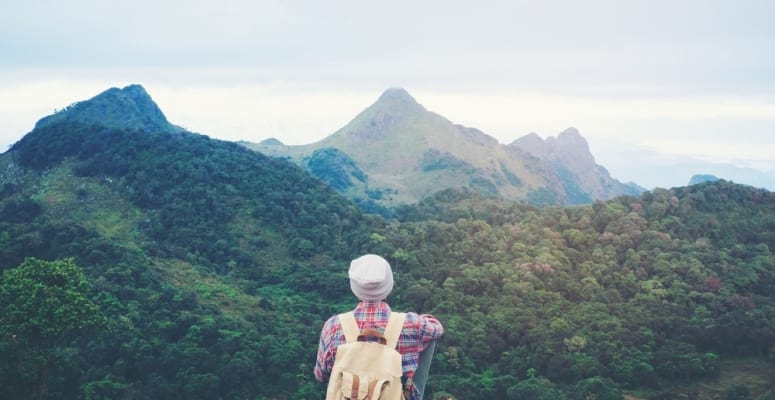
[372, 303]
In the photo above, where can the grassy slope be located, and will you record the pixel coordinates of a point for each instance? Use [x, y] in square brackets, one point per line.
[96, 204]
[93, 202]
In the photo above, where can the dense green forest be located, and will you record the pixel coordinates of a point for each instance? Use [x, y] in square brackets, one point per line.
[208, 270]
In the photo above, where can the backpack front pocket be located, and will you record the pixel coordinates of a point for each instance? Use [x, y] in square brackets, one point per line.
[355, 387]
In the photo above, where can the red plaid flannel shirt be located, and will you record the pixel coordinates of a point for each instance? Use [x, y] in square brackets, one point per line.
[418, 331]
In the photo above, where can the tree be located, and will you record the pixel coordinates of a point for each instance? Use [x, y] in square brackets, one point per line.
[42, 301]
[596, 388]
[536, 388]
[737, 392]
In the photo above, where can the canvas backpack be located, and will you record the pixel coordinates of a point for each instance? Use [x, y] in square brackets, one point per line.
[367, 369]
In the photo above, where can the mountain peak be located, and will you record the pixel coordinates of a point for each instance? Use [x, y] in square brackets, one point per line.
[569, 144]
[533, 144]
[136, 92]
[398, 99]
[571, 132]
[129, 107]
[396, 93]
[271, 142]
[378, 122]
[571, 138]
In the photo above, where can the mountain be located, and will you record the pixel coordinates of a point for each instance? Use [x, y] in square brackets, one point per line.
[397, 152]
[702, 178]
[127, 108]
[571, 160]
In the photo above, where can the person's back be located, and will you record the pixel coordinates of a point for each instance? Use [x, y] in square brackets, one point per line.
[371, 280]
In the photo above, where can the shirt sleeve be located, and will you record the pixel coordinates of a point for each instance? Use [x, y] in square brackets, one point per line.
[326, 351]
[429, 329]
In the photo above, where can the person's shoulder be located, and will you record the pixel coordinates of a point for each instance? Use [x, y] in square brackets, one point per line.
[417, 318]
[412, 316]
[331, 322]
[333, 318]
[416, 315]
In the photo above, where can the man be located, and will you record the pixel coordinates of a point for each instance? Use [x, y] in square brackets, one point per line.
[371, 280]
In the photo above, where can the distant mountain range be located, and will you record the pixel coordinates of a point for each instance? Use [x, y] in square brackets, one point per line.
[396, 152]
[651, 169]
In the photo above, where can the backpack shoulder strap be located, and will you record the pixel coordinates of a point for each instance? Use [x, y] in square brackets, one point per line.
[349, 326]
[393, 329]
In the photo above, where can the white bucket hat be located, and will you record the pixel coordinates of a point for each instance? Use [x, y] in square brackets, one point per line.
[370, 277]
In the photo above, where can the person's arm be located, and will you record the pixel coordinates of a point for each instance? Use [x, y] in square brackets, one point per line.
[325, 357]
[430, 328]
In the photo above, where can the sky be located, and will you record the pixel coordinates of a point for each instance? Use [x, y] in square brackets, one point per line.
[649, 84]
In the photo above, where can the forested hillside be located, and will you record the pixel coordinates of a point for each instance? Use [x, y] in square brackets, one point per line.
[639, 292]
[208, 270]
[208, 260]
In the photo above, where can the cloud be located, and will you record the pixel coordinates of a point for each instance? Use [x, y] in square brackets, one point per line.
[689, 47]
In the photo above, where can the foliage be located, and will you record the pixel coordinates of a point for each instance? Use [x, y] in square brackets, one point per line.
[737, 393]
[570, 183]
[42, 301]
[636, 292]
[596, 388]
[19, 211]
[334, 167]
[535, 389]
[223, 264]
[194, 186]
[433, 160]
[542, 197]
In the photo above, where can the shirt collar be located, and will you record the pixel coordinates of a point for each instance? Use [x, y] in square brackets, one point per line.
[373, 304]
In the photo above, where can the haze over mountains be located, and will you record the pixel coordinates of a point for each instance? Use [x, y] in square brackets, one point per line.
[656, 169]
[397, 152]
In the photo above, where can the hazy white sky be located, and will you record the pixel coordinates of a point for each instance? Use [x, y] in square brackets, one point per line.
[687, 79]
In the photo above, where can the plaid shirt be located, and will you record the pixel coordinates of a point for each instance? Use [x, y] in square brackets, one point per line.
[418, 331]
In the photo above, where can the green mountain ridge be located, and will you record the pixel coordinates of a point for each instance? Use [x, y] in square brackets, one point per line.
[128, 107]
[408, 153]
[215, 267]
